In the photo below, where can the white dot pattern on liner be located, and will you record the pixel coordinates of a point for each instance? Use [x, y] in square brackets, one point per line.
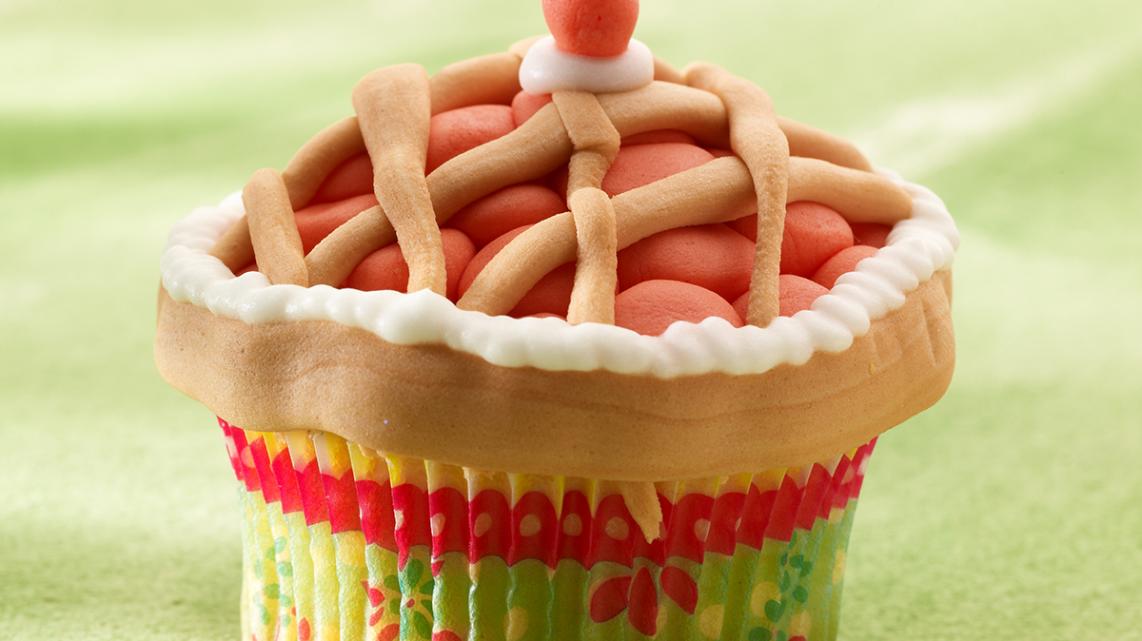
[617, 529]
[702, 529]
[917, 248]
[529, 525]
[436, 524]
[572, 525]
[482, 525]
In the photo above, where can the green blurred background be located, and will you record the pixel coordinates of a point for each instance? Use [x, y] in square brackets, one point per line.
[1013, 510]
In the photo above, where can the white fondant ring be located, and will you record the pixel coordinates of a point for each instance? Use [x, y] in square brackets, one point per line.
[546, 69]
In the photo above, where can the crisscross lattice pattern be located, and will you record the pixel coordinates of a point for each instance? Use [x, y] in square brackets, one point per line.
[776, 161]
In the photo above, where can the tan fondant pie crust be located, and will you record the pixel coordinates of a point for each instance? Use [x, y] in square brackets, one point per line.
[434, 402]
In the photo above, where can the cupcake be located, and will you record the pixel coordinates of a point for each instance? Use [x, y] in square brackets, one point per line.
[558, 343]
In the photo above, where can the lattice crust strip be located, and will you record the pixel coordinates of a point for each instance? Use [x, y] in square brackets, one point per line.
[273, 229]
[596, 143]
[758, 140]
[596, 258]
[394, 110]
[777, 161]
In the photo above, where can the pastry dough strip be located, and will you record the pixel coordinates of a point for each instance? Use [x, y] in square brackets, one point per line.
[275, 239]
[757, 139]
[394, 109]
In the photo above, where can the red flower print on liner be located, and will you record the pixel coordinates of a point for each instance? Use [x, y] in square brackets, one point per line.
[638, 597]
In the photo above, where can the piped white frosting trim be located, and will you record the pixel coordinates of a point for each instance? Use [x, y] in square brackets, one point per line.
[917, 247]
[546, 69]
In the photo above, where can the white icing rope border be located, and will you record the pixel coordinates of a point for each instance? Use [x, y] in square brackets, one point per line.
[917, 247]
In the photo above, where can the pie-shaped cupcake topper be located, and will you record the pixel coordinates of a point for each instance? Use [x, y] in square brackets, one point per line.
[636, 429]
[775, 161]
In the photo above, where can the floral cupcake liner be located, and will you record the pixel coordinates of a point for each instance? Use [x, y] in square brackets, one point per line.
[345, 543]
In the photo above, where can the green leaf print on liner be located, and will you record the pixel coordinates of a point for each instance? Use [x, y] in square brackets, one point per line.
[423, 627]
[412, 572]
[774, 610]
[760, 634]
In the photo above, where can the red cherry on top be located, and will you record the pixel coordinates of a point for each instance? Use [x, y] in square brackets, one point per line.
[597, 28]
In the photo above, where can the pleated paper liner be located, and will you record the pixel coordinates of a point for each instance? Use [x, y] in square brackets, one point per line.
[345, 543]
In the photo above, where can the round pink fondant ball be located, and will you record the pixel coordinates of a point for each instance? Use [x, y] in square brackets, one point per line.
[315, 222]
[525, 104]
[871, 234]
[456, 131]
[597, 28]
[509, 208]
[551, 295]
[387, 269]
[842, 263]
[813, 233]
[796, 294]
[710, 256]
[641, 165]
[652, 306]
